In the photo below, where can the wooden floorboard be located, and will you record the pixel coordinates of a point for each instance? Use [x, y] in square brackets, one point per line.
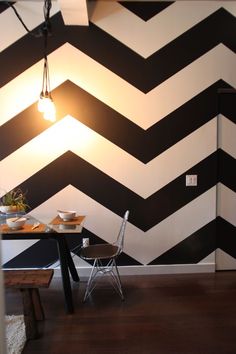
[161, 314]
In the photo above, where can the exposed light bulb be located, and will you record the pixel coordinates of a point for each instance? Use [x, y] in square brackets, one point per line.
[49, 110]
[41, 103]
[47, 107]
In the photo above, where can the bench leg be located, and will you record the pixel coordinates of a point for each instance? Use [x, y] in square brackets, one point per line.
[29, 314]
[38, 308]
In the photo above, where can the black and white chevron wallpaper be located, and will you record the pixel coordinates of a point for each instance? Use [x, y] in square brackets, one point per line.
[138, 108]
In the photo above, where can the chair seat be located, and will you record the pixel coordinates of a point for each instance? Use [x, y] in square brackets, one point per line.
[101, 251]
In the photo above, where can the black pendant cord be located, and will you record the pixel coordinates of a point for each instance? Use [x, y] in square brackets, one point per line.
[46, 26]
[46, 30]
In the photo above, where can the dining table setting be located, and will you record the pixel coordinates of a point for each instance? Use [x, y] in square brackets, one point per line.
[20, 226]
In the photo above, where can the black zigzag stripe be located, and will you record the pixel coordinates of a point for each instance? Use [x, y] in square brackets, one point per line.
[226, 236]
[145, 213]
[14, 59]
[146, 74]
[112, 125]
[111, 53]
[146, 10]
[227, 170]
[189, 251]
[3, 6]
[192, 249]
[219, 233]
[227, 104]
[40, 256]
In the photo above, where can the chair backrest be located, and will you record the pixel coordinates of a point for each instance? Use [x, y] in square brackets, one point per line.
[120, 239]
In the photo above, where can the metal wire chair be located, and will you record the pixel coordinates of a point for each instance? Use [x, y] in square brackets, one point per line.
[104, 257]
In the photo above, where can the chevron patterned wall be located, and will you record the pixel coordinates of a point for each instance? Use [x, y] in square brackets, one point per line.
[137, 109]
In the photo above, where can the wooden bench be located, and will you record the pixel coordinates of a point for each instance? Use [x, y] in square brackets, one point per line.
[29, 282]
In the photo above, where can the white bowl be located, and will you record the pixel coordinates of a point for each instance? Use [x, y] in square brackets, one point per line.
[8, 209]
[67, 215]
[16, 223]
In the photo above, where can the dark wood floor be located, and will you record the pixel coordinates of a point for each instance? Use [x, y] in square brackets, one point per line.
[174, 314]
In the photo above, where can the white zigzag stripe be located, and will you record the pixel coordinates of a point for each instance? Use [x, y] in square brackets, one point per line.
[142, 246]
[143, 109]
[227, 203]
[63, 136]
[148, 37]
[227, 136]
[224, 261]
[32, 14]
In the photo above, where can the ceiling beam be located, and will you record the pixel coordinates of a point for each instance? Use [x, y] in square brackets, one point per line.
[74, 12]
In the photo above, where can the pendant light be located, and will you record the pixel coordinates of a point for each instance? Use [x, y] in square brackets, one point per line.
[45, 103]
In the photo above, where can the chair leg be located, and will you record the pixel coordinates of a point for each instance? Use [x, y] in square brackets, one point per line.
[111, 270]
[90, 286]
[117, 282]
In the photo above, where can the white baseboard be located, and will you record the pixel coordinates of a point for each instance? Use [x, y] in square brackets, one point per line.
[152, 269]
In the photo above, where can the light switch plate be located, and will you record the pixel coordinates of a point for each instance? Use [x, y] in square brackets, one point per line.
[191, 180]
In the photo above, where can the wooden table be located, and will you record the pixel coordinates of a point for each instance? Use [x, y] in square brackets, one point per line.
[45, 232]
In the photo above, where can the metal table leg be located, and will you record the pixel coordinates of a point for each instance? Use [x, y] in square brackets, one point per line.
[71, 264]
[61, 244]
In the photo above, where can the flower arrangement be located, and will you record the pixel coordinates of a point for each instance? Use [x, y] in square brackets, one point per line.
[14, 200]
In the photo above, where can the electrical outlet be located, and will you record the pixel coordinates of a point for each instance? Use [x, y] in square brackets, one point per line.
[191, 180]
